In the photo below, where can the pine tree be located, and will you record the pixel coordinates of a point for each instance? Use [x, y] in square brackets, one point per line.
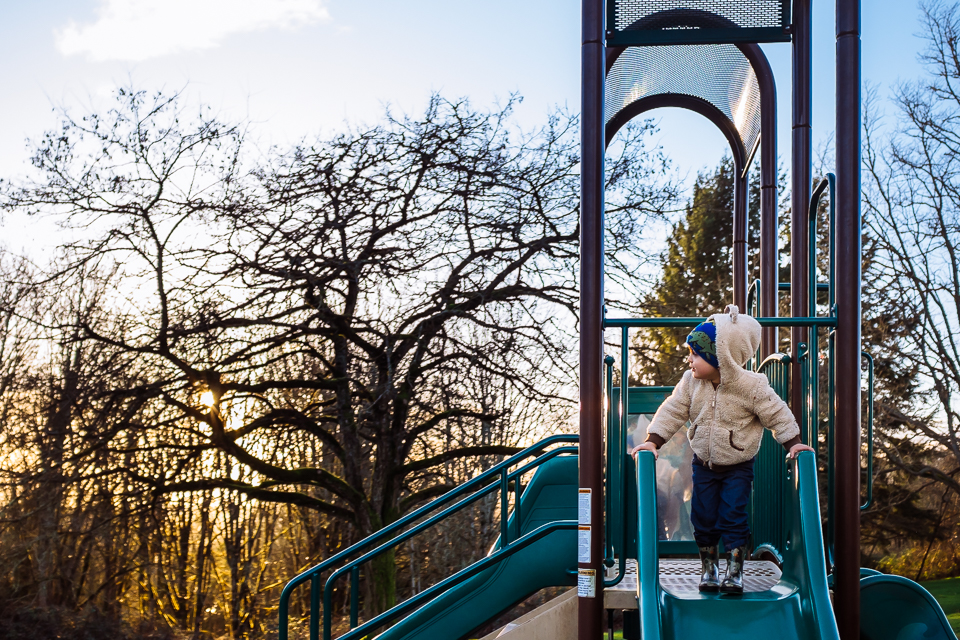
[696, 270]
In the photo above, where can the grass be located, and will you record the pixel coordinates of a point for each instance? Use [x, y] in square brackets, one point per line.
[947, 593]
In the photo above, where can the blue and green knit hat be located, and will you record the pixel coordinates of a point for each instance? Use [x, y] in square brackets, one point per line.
[703, 341]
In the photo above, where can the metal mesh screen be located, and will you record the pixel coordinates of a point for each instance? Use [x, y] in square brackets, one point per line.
[631, 14]
[719, 74]
[703, 21]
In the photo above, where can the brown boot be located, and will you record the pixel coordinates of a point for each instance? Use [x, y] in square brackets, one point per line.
[710, 572]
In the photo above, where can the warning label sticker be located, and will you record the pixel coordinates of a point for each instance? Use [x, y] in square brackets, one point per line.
[584, 506]
[583, 544]
[587, 583]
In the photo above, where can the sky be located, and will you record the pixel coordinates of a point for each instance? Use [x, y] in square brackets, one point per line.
[295, 68]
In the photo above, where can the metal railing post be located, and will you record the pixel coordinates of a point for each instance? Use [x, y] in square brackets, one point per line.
[354, 596]
[504, 509]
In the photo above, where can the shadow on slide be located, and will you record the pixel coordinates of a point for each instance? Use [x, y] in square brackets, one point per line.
[548, 562]
[897, 608]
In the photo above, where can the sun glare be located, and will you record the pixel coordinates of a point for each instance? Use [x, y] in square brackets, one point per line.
[206, 398]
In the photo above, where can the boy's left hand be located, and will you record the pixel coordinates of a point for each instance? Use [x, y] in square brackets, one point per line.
[797, 448]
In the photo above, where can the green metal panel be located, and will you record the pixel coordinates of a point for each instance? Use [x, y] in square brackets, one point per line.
[766, 504]
[674, 462]
[646, 399]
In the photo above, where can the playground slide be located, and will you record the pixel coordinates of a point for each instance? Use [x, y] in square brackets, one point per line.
[896, 608]
[548, 562]
[797, 608]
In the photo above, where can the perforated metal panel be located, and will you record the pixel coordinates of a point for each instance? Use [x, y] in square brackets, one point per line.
[646, 22]
[718, 74]
[682, 578]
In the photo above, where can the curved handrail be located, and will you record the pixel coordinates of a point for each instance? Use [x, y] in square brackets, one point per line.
[426, 524]
[775, 367]
[753, 298]
[774, 358]
[477, 487]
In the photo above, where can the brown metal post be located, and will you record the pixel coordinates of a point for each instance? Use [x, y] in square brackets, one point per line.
[848, 253]
[769, 263]
[740, 203]
[800, 189]
[592, 144]
[769, 266]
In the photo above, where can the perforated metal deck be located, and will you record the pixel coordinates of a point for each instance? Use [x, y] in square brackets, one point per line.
[681, 577]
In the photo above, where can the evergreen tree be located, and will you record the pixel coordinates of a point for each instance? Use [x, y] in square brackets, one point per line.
[696, 270]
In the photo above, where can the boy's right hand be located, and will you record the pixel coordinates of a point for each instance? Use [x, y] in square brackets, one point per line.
[645, 446]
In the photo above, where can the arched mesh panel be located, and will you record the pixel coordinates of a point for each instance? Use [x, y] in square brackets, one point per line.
[717, 73]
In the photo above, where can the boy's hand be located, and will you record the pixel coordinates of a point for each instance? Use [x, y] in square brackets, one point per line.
[797, 448]
[645, 446]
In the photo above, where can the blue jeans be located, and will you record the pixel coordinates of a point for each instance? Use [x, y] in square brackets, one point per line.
[718, 510]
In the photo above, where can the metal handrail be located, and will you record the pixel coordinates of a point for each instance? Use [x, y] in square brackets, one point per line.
[426, 524]
[816, 321]
[753, 297]
[477, 487]
[828, 182]
[779, 377]
[616, 475]
[444, 585]
[774, 358]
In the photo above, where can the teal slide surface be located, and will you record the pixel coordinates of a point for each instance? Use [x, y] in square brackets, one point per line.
[549, 562]
[797, 608]
[896, 608]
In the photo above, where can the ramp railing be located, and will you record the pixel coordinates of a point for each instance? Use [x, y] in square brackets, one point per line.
[500, 478]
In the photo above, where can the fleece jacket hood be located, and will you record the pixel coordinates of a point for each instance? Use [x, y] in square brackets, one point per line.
[726, 422]
[738, 338]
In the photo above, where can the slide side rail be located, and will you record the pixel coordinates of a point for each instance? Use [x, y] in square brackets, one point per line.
[648, 560]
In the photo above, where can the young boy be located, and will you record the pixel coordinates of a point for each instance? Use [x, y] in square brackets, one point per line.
[727, 407]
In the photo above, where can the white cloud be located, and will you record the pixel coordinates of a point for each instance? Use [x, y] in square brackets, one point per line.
[139, 29]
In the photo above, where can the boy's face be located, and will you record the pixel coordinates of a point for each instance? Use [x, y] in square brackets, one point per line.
[702, 370]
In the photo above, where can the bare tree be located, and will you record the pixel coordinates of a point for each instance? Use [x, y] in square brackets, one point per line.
[341, 323]
[912, 212]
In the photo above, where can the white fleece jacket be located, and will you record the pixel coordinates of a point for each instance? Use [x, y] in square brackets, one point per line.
[727, 422]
